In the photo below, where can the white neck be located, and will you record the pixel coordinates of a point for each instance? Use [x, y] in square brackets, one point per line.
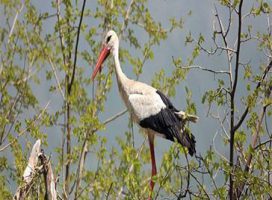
[119, 73]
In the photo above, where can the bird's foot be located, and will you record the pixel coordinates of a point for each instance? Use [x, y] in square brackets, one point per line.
[187, 117]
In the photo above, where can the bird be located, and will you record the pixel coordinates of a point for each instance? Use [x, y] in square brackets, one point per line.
[149, 107]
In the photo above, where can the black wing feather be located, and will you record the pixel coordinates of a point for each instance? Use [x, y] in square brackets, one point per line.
[166, 101]
[166, 122]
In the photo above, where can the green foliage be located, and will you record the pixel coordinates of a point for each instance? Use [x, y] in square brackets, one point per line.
[4, 191]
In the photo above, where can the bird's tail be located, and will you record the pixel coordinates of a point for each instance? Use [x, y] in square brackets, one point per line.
[188, 140]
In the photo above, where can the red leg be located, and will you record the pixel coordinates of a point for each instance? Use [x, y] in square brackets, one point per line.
[153, 162]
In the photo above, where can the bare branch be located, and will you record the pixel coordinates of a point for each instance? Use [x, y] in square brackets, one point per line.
[14, 21]
[56, 77]
[263, 143]
[125, 23]
[60, 32]
[206, 69]
[224, 34]
[81, 162]
[32, 162]
[115, 117]
[77, 41]
[49, 179]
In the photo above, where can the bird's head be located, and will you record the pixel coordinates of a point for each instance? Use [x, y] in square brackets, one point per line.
[110, 45]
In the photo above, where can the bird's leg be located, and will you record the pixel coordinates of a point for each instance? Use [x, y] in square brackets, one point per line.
[153, 162]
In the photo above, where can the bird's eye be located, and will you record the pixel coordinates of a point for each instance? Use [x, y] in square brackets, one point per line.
[108, 38]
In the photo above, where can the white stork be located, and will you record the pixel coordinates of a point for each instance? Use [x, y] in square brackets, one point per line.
[149, 107]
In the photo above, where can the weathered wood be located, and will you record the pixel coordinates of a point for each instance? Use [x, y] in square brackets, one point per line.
[49, 179]
[32, 170]
[32, 162]
[29, 172]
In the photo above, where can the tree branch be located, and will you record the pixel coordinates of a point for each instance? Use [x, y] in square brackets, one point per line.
[224, 34]
[77, 42]
[206, 69]
[256, 135]
[232, 130]
[250, 156]
[239, 123]
[49, 179]
[56, 76]
[115, 117]
[14, 21]
[125, 23]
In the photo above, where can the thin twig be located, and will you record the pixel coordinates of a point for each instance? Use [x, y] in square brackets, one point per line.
[80, 165]
[25, 130]
[206, 69]
[14, 21]
[56, 76]
[65, 64]
[125, 23]
[115, 116]
[224, 36]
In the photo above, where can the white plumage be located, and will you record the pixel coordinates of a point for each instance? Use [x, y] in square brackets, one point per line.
[145, 105]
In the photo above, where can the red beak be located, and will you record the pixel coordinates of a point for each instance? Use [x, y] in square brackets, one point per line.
[102, 57]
